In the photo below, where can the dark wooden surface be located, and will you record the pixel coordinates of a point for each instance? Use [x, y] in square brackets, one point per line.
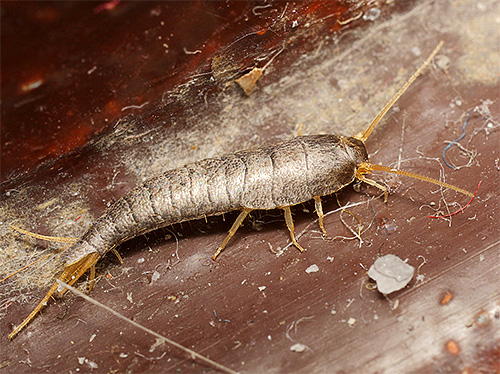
[124, 93]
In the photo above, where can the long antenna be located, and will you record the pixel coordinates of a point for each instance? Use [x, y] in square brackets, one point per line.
[366, 132]
[416, 176]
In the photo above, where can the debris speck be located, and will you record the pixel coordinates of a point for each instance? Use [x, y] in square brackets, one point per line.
[91, 364]
[92, 337]
[395, 305]
[312, 269]
[249, 80]
[81, 360]
[391, 273]
[351, 321]
[329, 258]
[262, 288]
[483, 319]
[141, 260]
[129, 297]
[155, 277]
[297, 347]
[158, 343]
[333, 311]
[481, 258]
[446, 298]
[46, 204]
[443, 62]
[416, 51]
[372, 14]
[452, 347]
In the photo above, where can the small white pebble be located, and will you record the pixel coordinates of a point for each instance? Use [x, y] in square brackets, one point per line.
[351, 321]
[91, 364]
[141, 260]
[155, 277]
[262, 288]
[395, 305]
[372, 14]
[312, 269]
[333, 311]
[297, 347]
[375, 317]
[329, 258]
[416, 51]
[81, 360]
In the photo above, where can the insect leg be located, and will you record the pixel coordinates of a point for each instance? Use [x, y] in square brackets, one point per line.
[319, 211]
[92, 277]
[70, 275]
[115, 252]
[232, 231]
[291, 228]
[374, 184]
[45, 237]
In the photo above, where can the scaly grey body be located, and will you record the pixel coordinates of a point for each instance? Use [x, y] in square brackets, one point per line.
[284, 174]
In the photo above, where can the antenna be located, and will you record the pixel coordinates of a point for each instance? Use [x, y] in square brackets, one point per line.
[366, 167]
[366, 132]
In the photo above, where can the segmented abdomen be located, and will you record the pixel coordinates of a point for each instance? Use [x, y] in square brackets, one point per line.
[287, 173]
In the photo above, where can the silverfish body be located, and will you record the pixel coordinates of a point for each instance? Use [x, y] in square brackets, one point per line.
[283, 174]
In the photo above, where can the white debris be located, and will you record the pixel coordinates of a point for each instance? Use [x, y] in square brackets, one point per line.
[351, 321]
[372, 14]
[129, 297]
[312, 269]
[391, 273]
[416, 51]
[155, 277]
[91, 364]
[297, 347]
[262, 288]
